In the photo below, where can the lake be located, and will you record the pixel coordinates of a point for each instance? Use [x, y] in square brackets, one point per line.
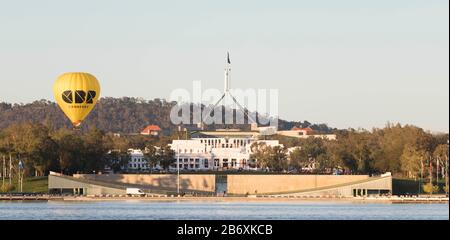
[181, 210]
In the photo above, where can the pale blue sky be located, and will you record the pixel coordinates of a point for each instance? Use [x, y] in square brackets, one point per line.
[348, 63]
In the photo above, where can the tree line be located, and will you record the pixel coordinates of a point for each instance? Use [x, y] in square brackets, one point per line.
[118, 115]
[73, 151]
[114, 115]
[405, 151]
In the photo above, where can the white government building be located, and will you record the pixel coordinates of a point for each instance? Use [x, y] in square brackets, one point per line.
[137, 160]
[216, 153]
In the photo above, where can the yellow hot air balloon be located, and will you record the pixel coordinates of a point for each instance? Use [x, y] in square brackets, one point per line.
[76, 94]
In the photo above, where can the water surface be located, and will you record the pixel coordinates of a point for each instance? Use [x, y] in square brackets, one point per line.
[135, 209]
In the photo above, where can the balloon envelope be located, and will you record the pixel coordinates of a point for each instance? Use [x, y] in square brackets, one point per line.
[76, 94]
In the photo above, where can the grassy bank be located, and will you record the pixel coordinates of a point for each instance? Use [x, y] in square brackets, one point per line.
[31, 184]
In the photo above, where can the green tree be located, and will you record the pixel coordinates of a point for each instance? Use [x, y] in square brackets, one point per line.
[70, 150]
[441, 156]
[31, 144]
[260, 154]
[152, 155]
[430, 188]
[298, 158]
[278, 161]
[274, 158]
[94, 157]
[165, 156]
[412, 161]
[116, 160]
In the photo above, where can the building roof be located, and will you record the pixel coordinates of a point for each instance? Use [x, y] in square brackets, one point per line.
[151, 128]
[230, 133]
[308, 129]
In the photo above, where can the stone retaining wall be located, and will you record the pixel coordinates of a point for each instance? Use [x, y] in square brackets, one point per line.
[198, 182]
[267, 184]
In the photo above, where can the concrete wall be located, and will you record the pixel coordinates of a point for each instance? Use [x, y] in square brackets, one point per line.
[97, 190]
[375, 183]
[198, 182]
[58, 182]
[236, 184]
[267, 184]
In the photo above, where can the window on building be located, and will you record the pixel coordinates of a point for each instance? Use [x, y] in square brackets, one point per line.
[233, 162]
[225, 163]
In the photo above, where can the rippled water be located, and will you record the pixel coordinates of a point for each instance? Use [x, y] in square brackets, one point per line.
[134, 209]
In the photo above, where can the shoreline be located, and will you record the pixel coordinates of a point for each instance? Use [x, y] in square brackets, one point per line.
[273, 199]
[261, 199]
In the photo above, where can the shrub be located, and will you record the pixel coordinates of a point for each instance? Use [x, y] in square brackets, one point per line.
[430, 188]
[7, 188]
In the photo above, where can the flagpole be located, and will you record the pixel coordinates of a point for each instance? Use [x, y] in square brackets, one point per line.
[4, 172]
[178, 170]
[10, 169]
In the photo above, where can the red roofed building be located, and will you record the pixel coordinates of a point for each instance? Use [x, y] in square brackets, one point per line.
[305, 133]
[151, 130]
[302, 131]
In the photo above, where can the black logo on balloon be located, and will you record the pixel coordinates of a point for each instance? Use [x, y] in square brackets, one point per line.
[79, 95]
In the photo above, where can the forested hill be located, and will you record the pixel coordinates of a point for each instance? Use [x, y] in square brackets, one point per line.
[119, 115]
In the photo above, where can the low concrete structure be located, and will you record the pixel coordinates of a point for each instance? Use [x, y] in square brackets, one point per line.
[272, 184]
[63, 183]
[229, 184]
[188, 182]
[363, 188]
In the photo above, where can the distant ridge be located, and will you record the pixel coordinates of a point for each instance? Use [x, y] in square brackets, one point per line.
[118, 115]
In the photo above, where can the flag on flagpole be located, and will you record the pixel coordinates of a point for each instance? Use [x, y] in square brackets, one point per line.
[228, 58]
